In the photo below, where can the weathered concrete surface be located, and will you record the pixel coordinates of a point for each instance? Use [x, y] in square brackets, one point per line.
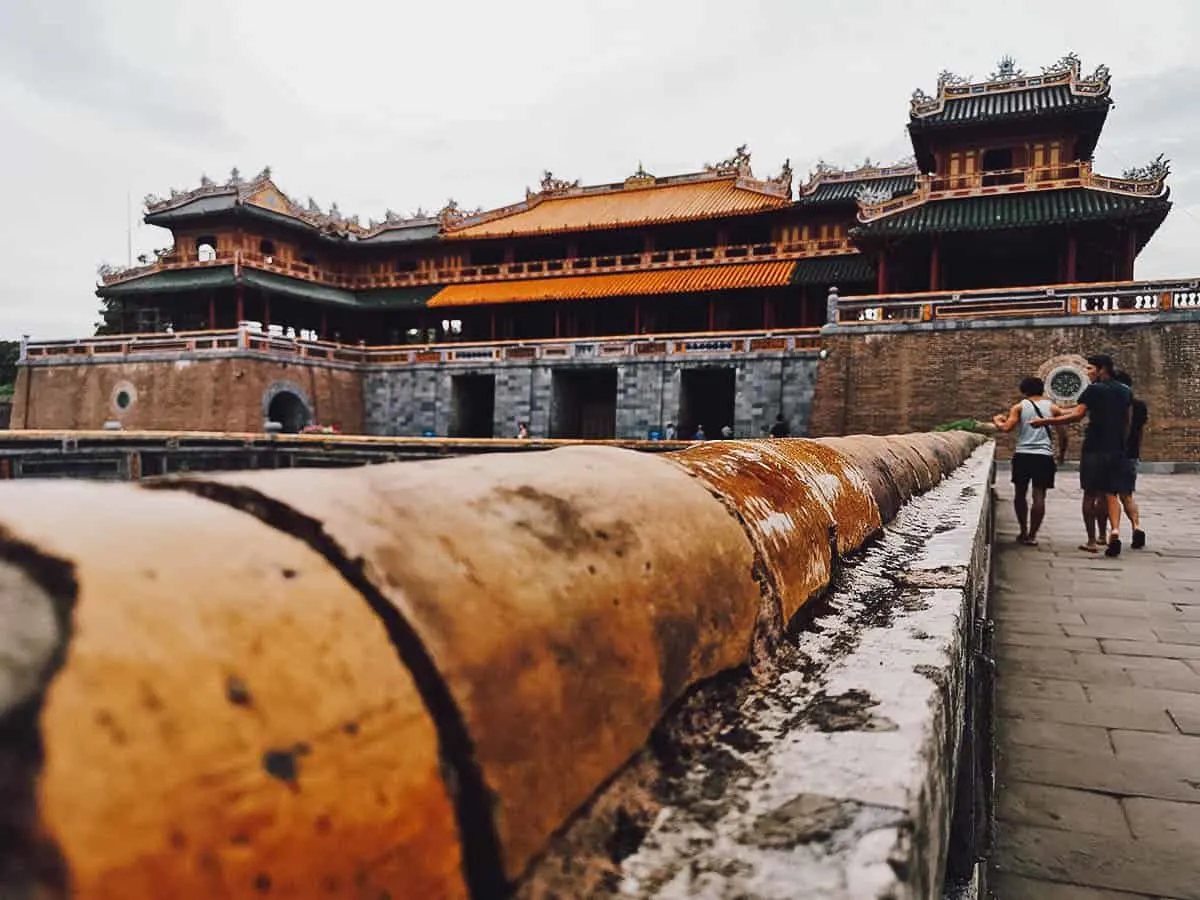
[1099, 702]
[157, 737]
[832, 780]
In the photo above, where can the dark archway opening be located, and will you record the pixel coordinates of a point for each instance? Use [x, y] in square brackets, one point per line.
[289, 411]
[585, 403]
[474, 406]
[706, 399]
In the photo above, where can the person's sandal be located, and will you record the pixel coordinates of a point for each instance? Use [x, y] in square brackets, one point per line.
[1139, 539]
[1114, 547]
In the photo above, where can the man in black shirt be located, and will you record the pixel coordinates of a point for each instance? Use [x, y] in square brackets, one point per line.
[1103, 466]
[780, 429]
[1133, 451]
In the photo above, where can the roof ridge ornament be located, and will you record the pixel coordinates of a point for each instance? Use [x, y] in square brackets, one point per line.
[640, 178]
[552, 185]
[1068, 63]
[738, 164]
[1008, 76]
[1156, 170]
[872, 195]
[1006, 70]
[783, 181]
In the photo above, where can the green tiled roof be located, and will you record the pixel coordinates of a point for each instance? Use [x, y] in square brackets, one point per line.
[827, 270]
[1034, 102]
[398, 298]
[846, 191]
[1021, 210]
[301, 290]
[175, 281]
[184, 280]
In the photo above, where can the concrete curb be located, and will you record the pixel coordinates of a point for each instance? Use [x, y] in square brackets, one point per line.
[538, 612]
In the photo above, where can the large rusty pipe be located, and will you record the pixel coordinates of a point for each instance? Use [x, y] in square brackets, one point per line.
[511, 626]
[214, 712]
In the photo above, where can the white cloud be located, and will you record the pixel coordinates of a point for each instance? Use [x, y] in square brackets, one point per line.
[400, 104]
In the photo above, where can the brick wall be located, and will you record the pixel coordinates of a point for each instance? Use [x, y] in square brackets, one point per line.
[182, 394]
[911, 380]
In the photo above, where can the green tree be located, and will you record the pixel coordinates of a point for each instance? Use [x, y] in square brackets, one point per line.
[110, 317]
[10, 351]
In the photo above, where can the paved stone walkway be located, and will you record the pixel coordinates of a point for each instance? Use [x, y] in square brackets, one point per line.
[1099, 703]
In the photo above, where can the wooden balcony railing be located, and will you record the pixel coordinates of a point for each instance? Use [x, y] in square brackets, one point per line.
[1041, 178]
[582, 265]
[1117, 298]
[256, 341]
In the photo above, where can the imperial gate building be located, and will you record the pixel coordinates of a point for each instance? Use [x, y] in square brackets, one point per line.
[714, 298]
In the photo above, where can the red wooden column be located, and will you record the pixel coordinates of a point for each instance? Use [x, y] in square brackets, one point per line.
[492, 322]
[324, 321]
[637, 316]
[212, 311]
[241, 304]
[266, 311]
[1072, 257]
[557, 323]
[1130, 252]
[712, 318]
[881, 275]
[935, 265]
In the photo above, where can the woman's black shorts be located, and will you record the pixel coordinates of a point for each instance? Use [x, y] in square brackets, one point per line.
[1035, 468]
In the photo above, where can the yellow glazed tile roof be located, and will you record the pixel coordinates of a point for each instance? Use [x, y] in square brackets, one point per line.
[625, 207]
[621, 284]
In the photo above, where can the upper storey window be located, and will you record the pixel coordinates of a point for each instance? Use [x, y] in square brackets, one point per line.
[997, 159]
[206, 249]
[267, 249]
[997, 165]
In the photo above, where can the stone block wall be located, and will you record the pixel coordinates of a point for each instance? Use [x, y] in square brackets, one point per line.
[910, 378]
[408, 401]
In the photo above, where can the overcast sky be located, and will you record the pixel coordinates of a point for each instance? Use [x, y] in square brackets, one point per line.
[400, 104]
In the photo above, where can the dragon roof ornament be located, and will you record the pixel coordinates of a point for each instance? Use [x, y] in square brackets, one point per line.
[262, 191]
[738, 164]
[1156, 170]
[1008, 76]
[869, 169]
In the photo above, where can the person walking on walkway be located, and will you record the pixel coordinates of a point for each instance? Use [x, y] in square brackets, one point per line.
[1033, 458]
[1103, 466]
[1133, 452]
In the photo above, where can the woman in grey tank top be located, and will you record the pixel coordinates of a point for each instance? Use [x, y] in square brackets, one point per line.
[1033, 457]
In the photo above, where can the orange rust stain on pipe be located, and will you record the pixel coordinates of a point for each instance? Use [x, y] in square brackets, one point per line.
[790, 495]
[561, 596]
[231, 720]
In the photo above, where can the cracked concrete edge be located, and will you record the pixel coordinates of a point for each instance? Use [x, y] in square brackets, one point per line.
[885, 786]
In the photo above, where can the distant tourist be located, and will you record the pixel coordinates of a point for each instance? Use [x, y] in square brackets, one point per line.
[672, 432]
[1033, 457]
[522, 431]
[700, 436]
[1133, 452]
[726, 432]
[780, 429]
[1103, 466]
